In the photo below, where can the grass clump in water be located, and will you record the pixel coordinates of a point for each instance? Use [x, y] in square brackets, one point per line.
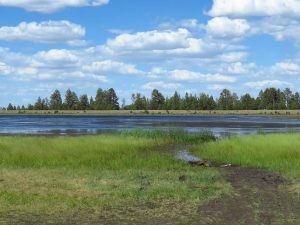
[176, 136]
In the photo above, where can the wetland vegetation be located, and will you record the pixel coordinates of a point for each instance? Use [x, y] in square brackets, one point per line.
[130, 178]
[114, 176]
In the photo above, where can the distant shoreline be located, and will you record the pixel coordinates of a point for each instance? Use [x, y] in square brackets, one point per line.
[262, 113]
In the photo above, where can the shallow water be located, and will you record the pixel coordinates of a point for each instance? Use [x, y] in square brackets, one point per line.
[185, 155]
[82, 125]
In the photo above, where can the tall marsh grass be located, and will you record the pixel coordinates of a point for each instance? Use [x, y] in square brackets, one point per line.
[171, 135]
[114, 151]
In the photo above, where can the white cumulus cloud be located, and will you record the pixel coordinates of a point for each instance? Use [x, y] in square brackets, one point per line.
[224, 27]
[50, 32]
[160, 46]
[112, 66]
[49, 6]
[151, 40]
[242, 8]
[55, 58]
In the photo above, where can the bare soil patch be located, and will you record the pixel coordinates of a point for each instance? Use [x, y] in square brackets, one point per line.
[259, 197]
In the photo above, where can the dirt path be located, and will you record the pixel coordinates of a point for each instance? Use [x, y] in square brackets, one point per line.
[259, 198]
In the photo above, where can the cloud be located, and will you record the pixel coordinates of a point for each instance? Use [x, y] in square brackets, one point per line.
[112, 66]
[161, 85]
[187, 75]
[277, 18]
[4, 69]
[53, 65]
[50, 6]
[53, 58]
[160, 46]
[50, 32]
[118, 31]
[240, 68]
[267, 83]
[233, 57]
[150, 40]
[286, 68]
[219, 78]
[61, 65]
[243, 8]
[190, 24]
[280, 28]
[223, 27]
[184, 75]
[217, 87]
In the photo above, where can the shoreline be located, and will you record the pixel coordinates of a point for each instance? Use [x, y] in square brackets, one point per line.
[242, 113]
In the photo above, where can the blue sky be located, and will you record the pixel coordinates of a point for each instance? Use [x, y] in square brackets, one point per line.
[138, 45]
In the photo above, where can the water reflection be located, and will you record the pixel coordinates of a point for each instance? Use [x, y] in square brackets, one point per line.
[85, 125]
[185, 155]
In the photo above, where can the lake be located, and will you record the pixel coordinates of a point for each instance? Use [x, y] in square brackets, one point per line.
[83, 125]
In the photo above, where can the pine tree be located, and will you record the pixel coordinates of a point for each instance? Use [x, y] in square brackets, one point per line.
[175, 101]
[10, 107]
[71, 100]
[113, 100]
[100, 100]
[56, 101]
[157, 100]
[92, 103]
[83, 102]
[38, 104]
[226, 100]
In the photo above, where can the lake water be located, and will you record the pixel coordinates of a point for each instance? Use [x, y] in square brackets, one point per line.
[82, 125]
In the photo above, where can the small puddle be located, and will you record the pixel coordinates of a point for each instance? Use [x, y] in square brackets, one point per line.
[179, 152]
[185, 155]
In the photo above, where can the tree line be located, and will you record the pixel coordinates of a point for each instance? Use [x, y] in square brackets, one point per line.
[270, 98]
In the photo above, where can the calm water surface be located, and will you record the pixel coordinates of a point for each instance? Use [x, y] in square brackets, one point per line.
[80, 125]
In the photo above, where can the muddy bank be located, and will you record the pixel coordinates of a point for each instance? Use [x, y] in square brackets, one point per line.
[259, 197]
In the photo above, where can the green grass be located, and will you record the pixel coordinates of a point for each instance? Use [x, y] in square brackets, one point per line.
[275, 152]
[112, 174]
[174, 136]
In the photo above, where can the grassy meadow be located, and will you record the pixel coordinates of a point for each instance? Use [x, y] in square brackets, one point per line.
[127, 177]
[121, 176]
[275, 152]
